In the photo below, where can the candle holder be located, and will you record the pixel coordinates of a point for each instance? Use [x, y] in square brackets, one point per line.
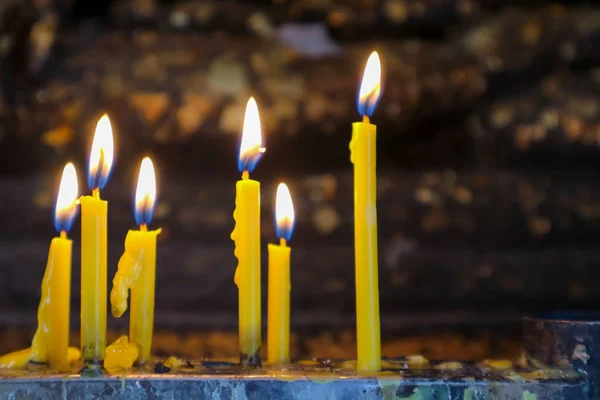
[559, 362]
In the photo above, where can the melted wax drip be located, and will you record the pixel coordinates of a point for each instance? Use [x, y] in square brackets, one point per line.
[120, 355]
[128, 271]
[353, 148]
[38, 351]
[236, 278]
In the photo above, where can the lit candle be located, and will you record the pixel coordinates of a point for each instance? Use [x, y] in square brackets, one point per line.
[51, 340]
[278, 321]
[52, 335]
[363, 156]
[246, 237]
[93, 247]
[137, 267]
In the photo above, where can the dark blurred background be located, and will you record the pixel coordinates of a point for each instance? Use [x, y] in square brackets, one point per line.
[488, 144]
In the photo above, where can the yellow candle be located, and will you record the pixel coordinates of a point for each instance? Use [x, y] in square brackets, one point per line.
[51, 340]
[363, 156]
[137, 267]
[60, 304]
[142, 297]
[93, 247]
[246, 237]
[278, 320]
[56, 285]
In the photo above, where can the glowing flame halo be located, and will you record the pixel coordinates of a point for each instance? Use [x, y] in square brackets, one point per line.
[251, 145]
[66, 201]
[370, 87]
[284, 212]
[145, 193]
[101, 155]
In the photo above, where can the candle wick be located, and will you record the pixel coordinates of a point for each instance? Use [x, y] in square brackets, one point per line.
[98, 175]
[96, 193]
[99, 170]
[145, 211]
[143, 227]
[282, 242]
[366, 119]
[369, 103]
[245, 174]
[63, 234]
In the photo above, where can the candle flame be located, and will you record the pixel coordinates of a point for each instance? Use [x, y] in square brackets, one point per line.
[251, 147]
[370, 88]
[145, 194]
[101, 156]
[284, 212]
[66, 201]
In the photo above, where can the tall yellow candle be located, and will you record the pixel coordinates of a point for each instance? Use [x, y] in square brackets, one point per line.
[137, 267]
[94, 212]
[278, 319]
[363, 156]
[246, 237]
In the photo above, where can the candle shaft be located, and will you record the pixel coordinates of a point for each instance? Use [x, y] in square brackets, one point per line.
[278, 319]
[136, 272]
[93, 277]
[51, 340]
[59, 261]
[246, 236]
[142, 297]
[363, 156]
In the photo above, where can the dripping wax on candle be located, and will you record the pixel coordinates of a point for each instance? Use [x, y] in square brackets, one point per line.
[246, 237]
[55, 305]
[137, 267]
[51, 340]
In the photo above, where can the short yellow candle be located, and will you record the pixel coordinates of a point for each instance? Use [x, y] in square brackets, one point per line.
[51, 340]
[278, 320]
[58, 289]
[363, 156]
[141, 323]
[246, 237]
[93, 247]
[137, 267]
